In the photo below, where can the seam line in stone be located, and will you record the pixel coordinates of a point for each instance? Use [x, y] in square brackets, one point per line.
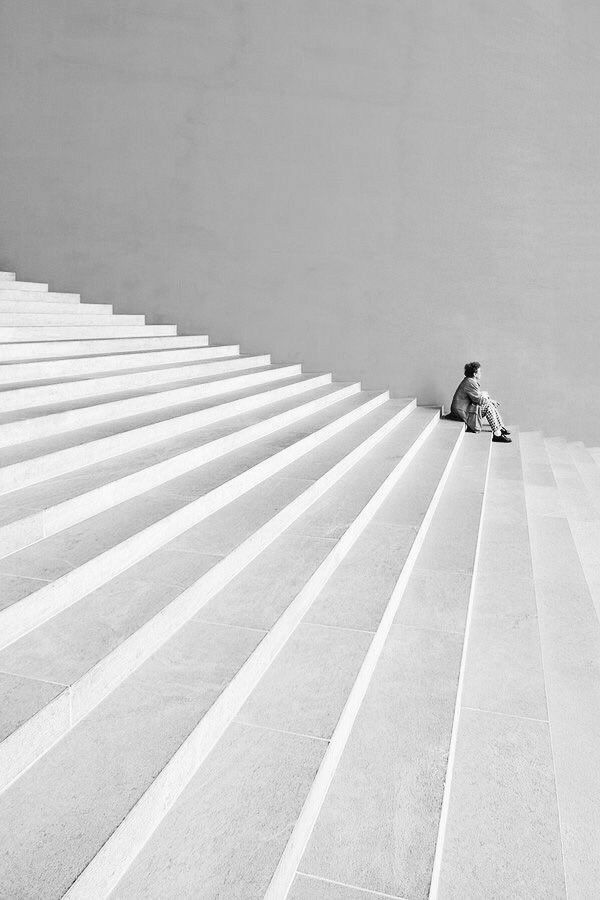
[354, 886]
[312, 737]
[497, 712]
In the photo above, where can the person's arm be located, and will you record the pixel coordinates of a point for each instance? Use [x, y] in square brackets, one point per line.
[474, 392]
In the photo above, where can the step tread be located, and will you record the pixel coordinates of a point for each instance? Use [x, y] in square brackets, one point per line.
[580, 500]
[30, 333]
[9, 293]
[81, 403]
[503, 750]
[101, 376]
[81, 436]
[87, 478]
[150, 586]
[54, 307]
[59, 554]
[39, 655]
[300, 697]
[107, 385]
[57, 370]
[37, 351]
[574, 494]
[37, 286]
[570, 640]
[159, 683]
[400, 739]
[588, 472]
[77, 320]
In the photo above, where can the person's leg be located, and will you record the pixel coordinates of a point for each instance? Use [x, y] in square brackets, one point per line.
[491, 414]
[498, 414]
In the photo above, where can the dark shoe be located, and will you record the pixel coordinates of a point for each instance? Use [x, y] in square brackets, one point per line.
[501, 439]
[505, 431]
[471, 431]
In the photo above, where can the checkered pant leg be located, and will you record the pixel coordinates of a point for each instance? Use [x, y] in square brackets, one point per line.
[490, 411]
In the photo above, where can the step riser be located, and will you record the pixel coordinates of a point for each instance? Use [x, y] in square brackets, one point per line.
[36, 297]
[26, 286]
[36, 736]
[117, 854]
[19, 334]
[38, 607]
[290, 859]
[29, 320]
[78, 348]
[7, 276]
[18, 307]
[13, 373]
[61, 462]
[24, 398]
[43, 426]
[57, 518]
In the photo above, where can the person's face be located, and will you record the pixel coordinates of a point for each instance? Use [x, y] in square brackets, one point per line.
[478, 373]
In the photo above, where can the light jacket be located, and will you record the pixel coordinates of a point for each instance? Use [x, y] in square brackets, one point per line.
[466, 403]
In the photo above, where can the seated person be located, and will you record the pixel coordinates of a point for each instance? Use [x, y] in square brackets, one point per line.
[471, 404]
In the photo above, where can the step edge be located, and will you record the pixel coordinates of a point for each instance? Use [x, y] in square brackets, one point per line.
[112, 408]
[151, 537]
[153, 432]
[292, 854]
[116, 854]
[141, 643]
[179, 371]
[55, 518]
[220, 350]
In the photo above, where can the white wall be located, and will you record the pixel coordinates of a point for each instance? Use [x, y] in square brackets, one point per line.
[383, 187]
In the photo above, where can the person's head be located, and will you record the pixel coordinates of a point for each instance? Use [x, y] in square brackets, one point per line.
[472, 370]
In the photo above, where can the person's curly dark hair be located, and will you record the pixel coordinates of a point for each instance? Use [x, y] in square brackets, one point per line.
[471, 369]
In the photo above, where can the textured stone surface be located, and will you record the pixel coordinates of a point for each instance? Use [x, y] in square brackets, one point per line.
[305, 688]
[239, 809]
[570, 643]
[378, 825]
[307, 888]
[502, 836]
[111, 758]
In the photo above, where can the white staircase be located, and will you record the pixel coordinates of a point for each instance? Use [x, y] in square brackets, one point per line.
[267, 635]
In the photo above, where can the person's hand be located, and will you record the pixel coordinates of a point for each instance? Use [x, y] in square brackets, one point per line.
[485, 394]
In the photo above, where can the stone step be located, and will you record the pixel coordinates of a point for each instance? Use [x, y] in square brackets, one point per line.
[36, 395]
[579, 501]
[500, 785]
[54, 308]
[57, 571]
[31, 333]
[34, 461]
[574, 495]
[7, 276]
[219, 659]
[46, 350]
[25, 286]
[31, 298]
[588, 471]
[396, 754]
[305, 696]
[13, 373]
[28, 320]
[15, 429]
[33, 513]
[235, 535]
[570, 642]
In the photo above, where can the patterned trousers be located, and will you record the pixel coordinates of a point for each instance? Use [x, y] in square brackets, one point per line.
[491, 413]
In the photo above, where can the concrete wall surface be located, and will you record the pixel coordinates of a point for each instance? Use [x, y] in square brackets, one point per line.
[387, 188]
